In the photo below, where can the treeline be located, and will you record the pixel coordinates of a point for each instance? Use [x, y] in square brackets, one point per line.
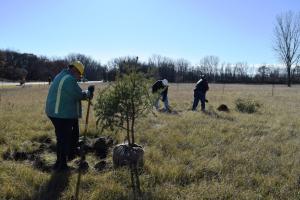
[16, 66]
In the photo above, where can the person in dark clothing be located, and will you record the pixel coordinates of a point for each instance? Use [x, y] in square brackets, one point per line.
[200, 92]
[74, 141]
[49, 80]
[161, 86]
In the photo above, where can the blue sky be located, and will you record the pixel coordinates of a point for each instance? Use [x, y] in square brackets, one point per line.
[233, 30]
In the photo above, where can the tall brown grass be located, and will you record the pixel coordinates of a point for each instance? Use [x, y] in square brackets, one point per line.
[188, 155]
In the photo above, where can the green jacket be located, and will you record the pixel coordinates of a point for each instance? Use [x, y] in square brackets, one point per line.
[64, 97]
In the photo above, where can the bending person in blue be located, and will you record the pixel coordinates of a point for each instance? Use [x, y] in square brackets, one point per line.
[161, 87]
[200, 92]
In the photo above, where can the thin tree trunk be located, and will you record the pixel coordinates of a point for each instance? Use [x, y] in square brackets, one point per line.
[137, 179]
[289, 75]
[132, 117]
[133, 181]
[128, 130]
[132, 130]
[132, 122]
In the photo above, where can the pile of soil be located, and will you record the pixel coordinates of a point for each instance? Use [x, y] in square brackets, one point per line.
[223, 108]
[98, 145]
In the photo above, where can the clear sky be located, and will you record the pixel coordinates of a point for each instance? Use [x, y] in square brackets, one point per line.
[233, 30]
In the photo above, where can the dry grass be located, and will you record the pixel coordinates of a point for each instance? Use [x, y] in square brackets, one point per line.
[189, 155]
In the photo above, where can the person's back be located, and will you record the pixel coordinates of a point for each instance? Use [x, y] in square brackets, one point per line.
[64, 97]
[158, 85]
[161, 86]
[201, 86]
[199, 93]
[63, 107]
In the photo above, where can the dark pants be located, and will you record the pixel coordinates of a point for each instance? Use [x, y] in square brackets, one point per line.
[74, 139]
[199, 96]
[67, 133]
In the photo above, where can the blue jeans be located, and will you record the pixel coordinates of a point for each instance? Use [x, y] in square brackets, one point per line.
[199, 96]
[166, 103]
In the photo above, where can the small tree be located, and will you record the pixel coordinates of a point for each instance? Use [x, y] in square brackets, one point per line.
[118, 106]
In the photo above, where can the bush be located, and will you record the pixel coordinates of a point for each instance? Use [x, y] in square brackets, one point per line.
[247, 105]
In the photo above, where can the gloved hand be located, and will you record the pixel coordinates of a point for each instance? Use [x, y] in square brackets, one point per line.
[90, 90]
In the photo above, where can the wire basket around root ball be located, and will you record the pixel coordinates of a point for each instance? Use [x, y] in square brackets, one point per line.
[125, 155]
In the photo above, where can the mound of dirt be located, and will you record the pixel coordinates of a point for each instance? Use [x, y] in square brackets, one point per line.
[7, 155]
[223, 108]
[83, 166]
[100, 166]
[101, 147]
[40, 164]
[20, 155]
[98, 145]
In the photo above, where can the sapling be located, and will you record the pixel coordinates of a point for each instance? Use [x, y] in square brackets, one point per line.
[117, 108]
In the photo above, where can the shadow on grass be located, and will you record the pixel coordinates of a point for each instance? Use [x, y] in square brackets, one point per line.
[214, 114]
[53, 189]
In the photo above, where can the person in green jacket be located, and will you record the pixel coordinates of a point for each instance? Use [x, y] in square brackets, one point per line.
[63, 107]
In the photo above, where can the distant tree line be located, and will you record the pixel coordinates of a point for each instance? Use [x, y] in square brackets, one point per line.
[15, 66]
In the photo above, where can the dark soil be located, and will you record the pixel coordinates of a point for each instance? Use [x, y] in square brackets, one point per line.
[99, 146]
[223, 108]
[100, 166]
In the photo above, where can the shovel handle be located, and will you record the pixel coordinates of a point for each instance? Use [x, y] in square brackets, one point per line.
[87, 118]
[81, 149]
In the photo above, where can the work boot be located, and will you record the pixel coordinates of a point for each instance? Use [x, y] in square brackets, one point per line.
[73, 153]
[56, 165]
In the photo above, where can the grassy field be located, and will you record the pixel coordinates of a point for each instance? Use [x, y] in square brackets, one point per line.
[188, 155]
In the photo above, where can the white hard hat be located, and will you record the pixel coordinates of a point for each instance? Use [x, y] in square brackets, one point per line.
[165, 82]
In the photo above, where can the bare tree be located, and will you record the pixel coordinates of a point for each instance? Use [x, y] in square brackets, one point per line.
[263, 73]
[228, 73]
[182, 66]
[287, 40]
[209, 65]
[240, 70]
[165, 67]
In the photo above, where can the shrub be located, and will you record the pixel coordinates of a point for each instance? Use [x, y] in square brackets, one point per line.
[247, 105]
